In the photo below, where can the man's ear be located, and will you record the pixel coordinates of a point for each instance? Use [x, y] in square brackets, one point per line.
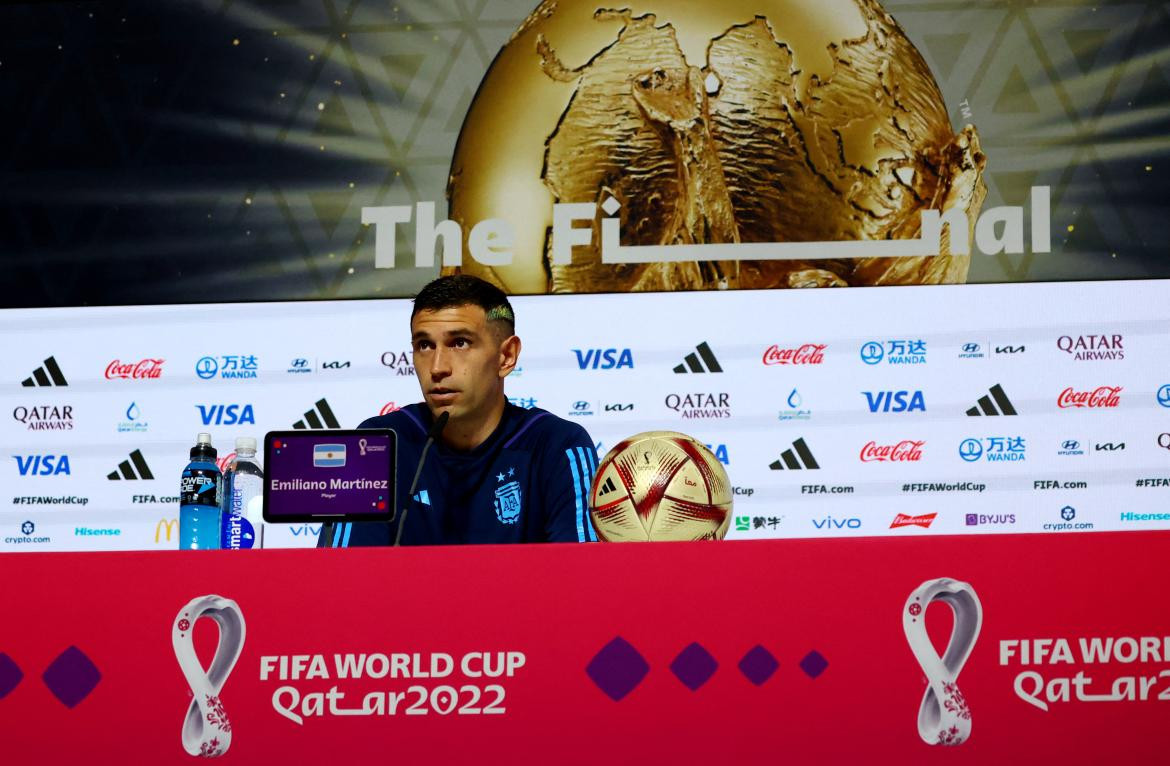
[509, 355]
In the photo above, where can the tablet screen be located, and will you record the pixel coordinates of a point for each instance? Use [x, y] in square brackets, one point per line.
[333, 475]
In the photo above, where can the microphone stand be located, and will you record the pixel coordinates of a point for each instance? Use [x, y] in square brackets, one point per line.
[436, 429]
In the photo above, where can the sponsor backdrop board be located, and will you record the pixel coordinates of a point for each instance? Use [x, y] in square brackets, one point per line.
[942, 409]
[809, 651]
[181, 151]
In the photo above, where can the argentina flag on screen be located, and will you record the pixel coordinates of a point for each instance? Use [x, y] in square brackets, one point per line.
[328, 455]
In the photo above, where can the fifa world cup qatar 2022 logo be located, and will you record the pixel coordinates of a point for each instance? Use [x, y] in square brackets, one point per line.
[207, 731]
[943, 717]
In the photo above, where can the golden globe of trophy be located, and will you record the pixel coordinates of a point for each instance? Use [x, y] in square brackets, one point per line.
[660, 485]
[737, 121]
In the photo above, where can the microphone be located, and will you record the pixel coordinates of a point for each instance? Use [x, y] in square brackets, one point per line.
[436, 429]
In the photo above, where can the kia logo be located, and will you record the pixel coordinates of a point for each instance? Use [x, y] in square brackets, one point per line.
[1070, 445]
[971, 450]
[1164, 395]
[970, 348]
[206, 367]
[872, 353]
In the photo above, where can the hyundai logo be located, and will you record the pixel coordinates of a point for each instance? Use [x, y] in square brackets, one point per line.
[299, 363]
[970, 348]
[1164, 395]
[872, 353]
[579, 406]
[971, 450]
[1068, 513]
[206, 367]
[1070, 445]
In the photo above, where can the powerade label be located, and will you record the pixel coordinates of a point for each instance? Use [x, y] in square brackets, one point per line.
[199, 486]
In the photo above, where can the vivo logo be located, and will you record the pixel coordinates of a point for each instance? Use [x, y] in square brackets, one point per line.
[42, 465]
[226, 414]
[895, 401]
[305, 530]
[604, 358]
[830, 523]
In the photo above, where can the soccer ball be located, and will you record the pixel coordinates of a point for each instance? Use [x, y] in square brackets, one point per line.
[660, 485]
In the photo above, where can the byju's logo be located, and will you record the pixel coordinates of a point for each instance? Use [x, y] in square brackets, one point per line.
[1000, 406]
[231, 366]
[133, 422]
[147, 369]
[894, 352]
[1087, 348]
[46, 417]
[42, 465]
[788, 458]
[895, 401]
[996, 449]
[319, 417]
[809, 353]
[700, 405]
[226, 414]
[604, 358]
[1102, 397]
[299, 366]
[1069, 448]
[692, 363]
[48, 375]
[399, 362]
[971, 351]
[994, 519]
[1164, 395]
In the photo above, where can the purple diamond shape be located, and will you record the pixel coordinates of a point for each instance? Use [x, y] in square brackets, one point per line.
[617, 669]
[813, 664]
[71, 677]
[694, 666]
[758, 665]
[10, 675]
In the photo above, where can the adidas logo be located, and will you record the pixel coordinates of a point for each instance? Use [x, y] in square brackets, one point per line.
[126, 471]
[48, 375]
[987, 407]
[319, 418]
[423, 496]
[692, 363]
[607, 487]
[789, 459]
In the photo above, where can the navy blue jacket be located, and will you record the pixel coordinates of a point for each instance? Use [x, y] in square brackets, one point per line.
[527, 483]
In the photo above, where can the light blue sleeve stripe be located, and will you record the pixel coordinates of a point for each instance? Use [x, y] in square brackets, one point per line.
[589, 472]
[577, 488]
[348, 532]
[337, 535]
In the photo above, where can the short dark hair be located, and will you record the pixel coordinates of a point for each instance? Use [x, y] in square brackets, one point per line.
[466, 290]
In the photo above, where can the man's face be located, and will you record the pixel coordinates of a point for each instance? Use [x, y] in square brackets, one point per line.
[458, 360]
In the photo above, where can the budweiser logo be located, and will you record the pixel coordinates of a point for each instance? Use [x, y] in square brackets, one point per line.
[147, 368]
[1102, 396]
[902, 520]
[904, 451]
[809, 353]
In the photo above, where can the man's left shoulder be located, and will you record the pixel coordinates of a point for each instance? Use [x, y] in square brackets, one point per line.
[540, 429]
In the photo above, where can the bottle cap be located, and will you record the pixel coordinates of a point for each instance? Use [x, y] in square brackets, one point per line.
[203, 439]
[246, 443]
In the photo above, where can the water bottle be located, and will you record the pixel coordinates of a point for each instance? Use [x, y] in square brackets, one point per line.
[243, 491]
[199, 498]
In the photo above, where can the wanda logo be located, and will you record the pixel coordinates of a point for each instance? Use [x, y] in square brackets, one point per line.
[905, 451]
[147, 368]
[1102, 396]
[809, 353]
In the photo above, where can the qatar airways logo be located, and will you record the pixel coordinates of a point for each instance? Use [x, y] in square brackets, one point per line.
[148, 369]
[809, 353]
[905, 451]
[1099, 398]
[1087, 348]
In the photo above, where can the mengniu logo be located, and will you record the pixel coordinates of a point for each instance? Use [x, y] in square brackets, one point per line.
[894, 352]
[700, 405]
[1164, 395]
[702, 360]
[42, 465]
[905, 451]
[45, 417]
[1088, 348]
[226, 414]
[399, 362]
[895, 401]
[230, 367]
[47, 375]
[809, 353]
[146, 369]
[1102, 397]
[604, 358]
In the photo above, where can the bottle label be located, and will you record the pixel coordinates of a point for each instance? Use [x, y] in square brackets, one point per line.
[199, 486]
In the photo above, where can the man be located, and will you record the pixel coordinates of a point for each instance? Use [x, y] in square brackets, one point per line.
[498, 473]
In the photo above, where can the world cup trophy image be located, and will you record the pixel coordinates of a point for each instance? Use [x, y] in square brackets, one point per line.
[660, 485]
[708, 126]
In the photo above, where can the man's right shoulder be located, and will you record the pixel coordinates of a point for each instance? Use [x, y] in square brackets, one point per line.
[406, 422]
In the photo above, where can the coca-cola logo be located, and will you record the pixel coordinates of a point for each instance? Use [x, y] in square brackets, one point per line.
[905, 451]
[147, 368]
[225, 461]
[809, 353]
[388, 408]
[1102, 396]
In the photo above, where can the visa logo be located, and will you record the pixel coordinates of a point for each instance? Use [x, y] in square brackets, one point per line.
[720, 451]
[604, 358]
[42, 465]
[226, 414]
[895, 401]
